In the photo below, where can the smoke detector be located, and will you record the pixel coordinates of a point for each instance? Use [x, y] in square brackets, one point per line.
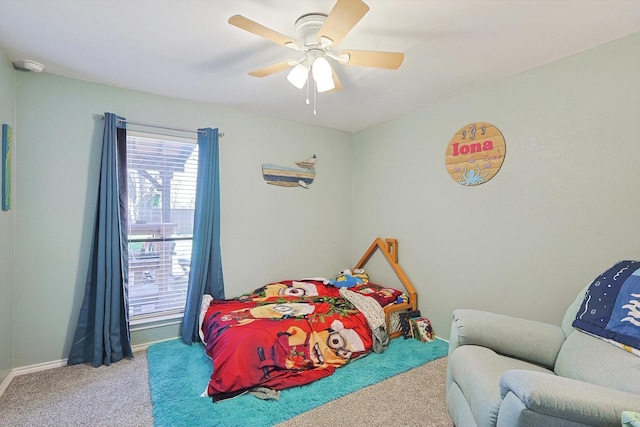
[28, 65]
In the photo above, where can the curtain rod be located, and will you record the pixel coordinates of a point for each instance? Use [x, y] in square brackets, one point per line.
[120, 121]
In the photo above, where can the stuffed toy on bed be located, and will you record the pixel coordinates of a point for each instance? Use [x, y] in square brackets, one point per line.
[346, 279]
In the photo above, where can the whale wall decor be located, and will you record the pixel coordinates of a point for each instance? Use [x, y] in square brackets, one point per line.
[286, 176]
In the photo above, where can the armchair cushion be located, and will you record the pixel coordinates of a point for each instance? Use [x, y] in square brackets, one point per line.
[582, 357]
[528, 340]
[476, 371]
[630, 419]
[566, 398]
[513, 412]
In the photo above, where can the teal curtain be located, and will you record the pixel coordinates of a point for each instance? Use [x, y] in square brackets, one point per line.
[206, 260]
[102, 332]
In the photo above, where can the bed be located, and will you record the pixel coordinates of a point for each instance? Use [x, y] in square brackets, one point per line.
[293, 332]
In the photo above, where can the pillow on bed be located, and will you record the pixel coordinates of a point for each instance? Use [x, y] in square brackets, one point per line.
[611, 306]
[383, 295]
[204, 306]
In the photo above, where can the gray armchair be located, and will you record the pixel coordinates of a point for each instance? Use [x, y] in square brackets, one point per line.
[506, 371]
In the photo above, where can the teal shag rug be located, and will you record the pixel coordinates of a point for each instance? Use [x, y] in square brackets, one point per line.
[179, 374]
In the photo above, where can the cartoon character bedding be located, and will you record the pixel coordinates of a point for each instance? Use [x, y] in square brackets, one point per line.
[292, 332]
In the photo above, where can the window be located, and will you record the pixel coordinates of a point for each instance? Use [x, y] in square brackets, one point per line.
[161, 190]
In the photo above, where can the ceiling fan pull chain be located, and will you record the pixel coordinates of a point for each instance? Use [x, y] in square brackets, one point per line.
[315, 97]
[307, 91]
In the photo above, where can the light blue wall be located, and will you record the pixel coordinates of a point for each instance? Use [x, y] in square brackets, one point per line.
[268, 232]
[563, 208]
[7, 220]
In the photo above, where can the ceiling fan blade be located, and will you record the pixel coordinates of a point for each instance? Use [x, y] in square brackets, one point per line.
[342, 18]
[376, 59]
[272, 69]
[262, 31]
[336, 81]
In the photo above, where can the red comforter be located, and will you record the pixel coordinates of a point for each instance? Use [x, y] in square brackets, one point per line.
[281, 335]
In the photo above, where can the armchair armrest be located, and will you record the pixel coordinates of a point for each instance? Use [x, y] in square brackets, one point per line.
[568, 399]
[523, 339]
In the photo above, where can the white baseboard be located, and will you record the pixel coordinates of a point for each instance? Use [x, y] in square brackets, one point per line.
[29, 369]
[6, 382]
[141, 347]
[39, 367]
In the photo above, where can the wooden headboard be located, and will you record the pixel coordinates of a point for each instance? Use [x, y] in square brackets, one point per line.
[389, 248]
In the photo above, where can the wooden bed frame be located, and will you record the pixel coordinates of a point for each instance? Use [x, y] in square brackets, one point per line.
[389, 248]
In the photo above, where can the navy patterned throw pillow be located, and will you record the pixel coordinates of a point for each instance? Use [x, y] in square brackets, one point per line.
[611, 306]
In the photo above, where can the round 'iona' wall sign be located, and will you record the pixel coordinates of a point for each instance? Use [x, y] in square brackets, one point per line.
[475, 154]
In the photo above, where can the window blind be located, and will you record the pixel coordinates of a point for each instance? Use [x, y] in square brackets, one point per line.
[161, 189]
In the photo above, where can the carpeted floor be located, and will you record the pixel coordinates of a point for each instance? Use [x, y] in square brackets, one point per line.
[80, 395]
[119, 395]
[415, 398]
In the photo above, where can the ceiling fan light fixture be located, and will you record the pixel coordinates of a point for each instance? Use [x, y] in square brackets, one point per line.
[322, 74]
[298, 75]
[325, 87]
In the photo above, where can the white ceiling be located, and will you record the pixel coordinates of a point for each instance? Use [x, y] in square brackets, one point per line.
[186, 49]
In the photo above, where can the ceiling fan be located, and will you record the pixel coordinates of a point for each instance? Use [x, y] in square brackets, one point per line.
[317, 34]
